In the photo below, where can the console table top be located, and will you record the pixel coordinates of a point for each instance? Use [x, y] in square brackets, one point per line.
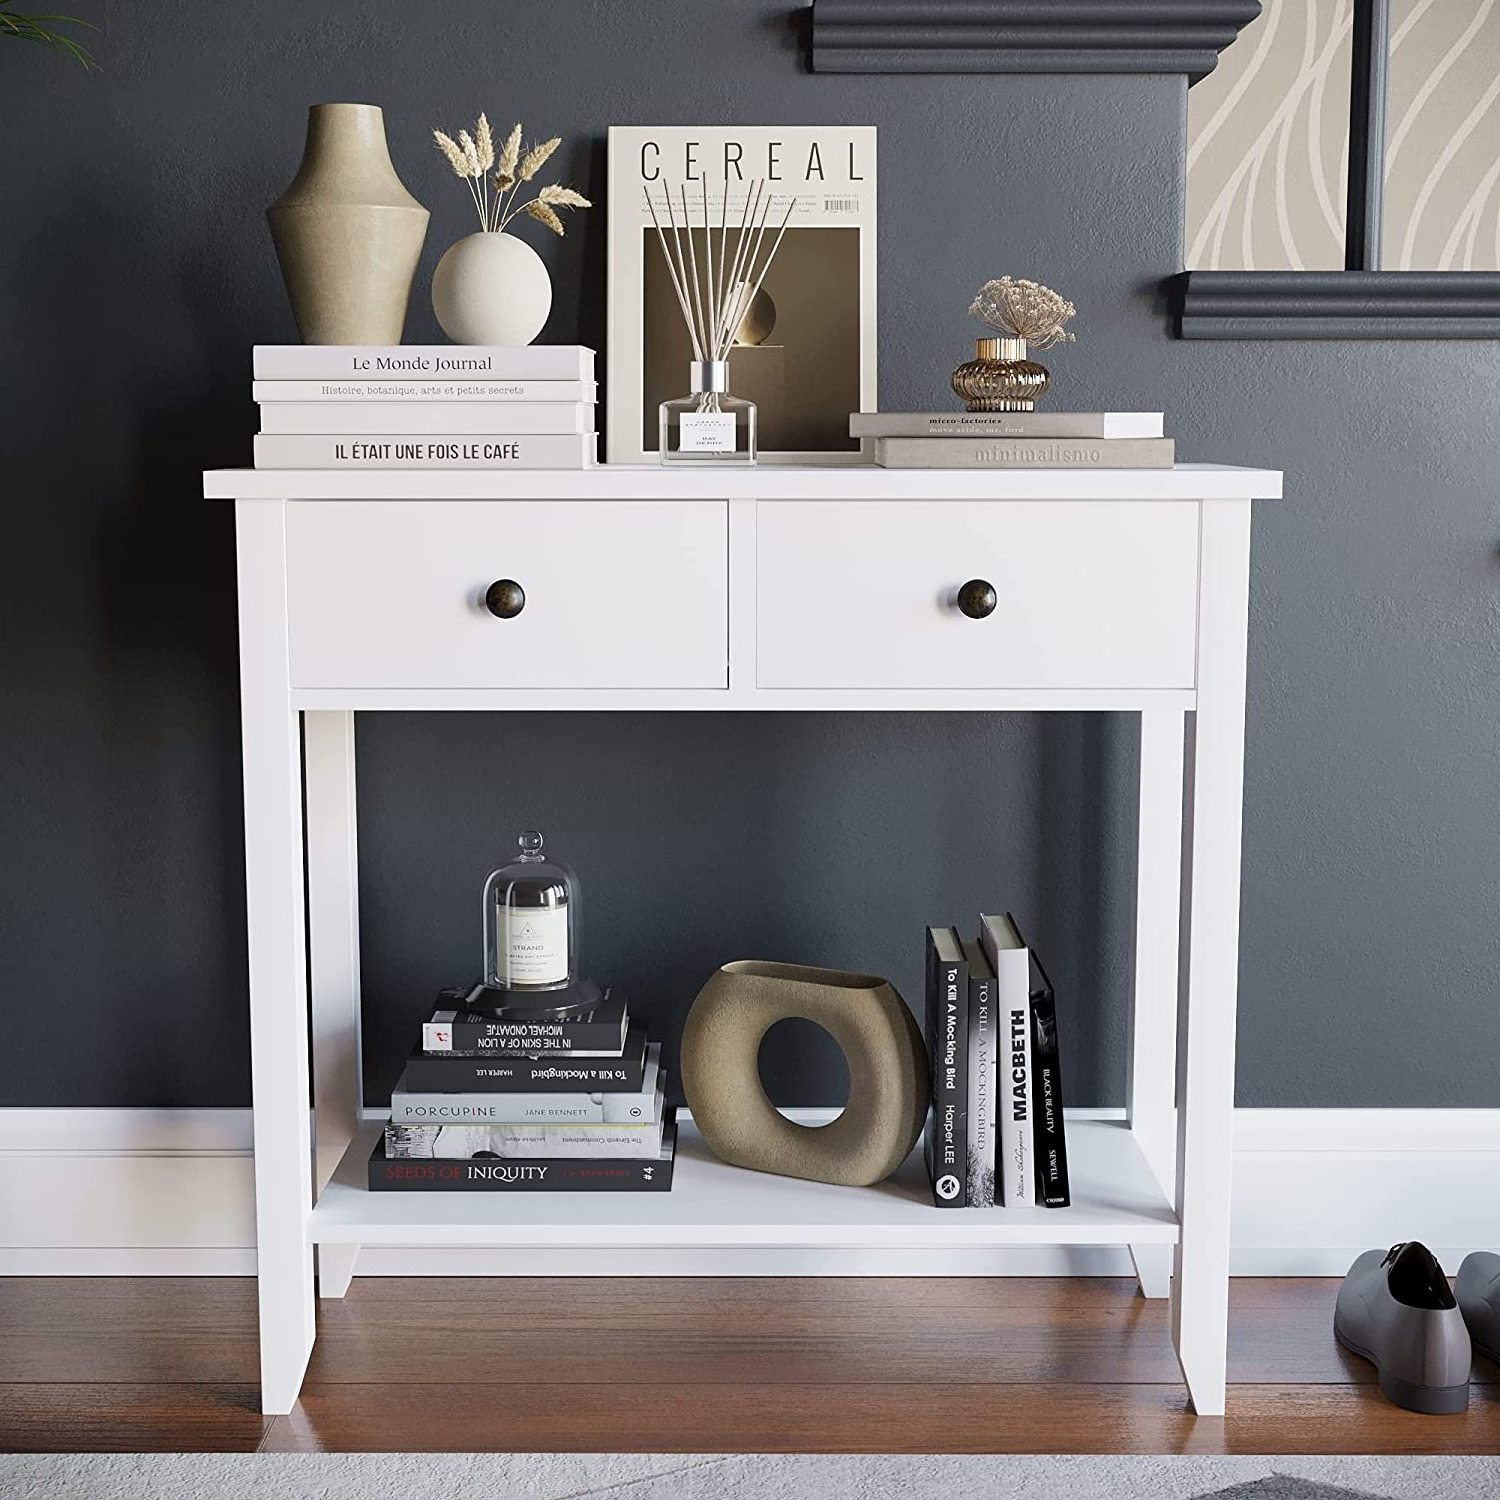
[1191, 482]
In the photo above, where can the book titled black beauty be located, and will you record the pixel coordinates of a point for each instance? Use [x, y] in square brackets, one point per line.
[537, 1073]
[455, 1032]
[1048, 1130]
[495, 1174]
[947, 1146]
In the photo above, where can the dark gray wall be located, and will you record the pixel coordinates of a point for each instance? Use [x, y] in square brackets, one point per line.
[135, 272]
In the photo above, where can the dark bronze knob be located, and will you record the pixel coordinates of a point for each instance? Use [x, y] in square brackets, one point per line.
[977, 599]
[505, 599]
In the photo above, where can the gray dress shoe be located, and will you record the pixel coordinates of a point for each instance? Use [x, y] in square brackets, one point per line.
[1397, 1311]
[1479, 1300]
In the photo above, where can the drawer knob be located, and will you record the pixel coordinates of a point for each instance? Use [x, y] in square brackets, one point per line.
[505, 598]
[977, 598]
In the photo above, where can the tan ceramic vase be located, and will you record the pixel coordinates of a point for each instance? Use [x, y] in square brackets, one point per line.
[347, 233]
[888, 1077]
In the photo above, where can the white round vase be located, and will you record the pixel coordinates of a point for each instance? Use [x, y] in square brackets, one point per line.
[491, 289]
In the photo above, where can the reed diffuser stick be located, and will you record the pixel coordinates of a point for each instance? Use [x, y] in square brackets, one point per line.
[708, 255]
[752, 292]
[723, 252]
[746, 215]
[682, 271]
[697, 291]
[667, 256]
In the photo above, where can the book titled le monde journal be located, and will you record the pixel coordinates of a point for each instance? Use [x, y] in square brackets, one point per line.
[807, 356]
[377, 362]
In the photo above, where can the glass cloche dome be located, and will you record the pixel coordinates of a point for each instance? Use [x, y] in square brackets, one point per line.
[531, 909]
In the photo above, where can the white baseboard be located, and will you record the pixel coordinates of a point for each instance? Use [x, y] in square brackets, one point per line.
[120, 1192]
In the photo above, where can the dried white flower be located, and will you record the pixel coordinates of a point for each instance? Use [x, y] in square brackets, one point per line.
[1020, 309]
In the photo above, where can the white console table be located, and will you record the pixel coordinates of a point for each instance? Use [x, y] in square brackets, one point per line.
[767, 588]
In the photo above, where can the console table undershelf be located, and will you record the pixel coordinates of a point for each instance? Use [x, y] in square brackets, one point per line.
[1116, 1201]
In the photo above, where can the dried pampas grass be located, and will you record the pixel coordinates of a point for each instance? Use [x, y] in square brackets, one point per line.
[539, 210]
[536, 158]
[473, 155]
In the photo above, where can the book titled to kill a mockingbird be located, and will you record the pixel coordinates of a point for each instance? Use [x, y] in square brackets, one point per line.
[947, 1145]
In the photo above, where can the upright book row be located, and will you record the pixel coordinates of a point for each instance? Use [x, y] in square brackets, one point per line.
[996, 1134]
[325, 406]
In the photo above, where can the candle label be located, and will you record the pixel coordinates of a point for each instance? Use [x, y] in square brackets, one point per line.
[706, 432]
[538, 945]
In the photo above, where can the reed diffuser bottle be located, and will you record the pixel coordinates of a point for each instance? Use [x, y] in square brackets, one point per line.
[708, 425]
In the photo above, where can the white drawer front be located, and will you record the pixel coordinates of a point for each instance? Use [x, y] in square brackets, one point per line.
[621, 595]
[1091, 594]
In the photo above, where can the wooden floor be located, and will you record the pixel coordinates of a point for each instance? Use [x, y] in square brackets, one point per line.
[1017, 1366]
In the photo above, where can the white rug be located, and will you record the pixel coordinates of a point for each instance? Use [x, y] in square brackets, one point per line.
[623, 1476]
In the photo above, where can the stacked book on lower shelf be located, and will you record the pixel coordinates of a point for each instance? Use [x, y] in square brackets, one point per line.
[1015, 439]
[996, 1135]
[497, 1105]
[404, 406]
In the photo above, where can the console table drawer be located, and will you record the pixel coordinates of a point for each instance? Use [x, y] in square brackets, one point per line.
[392, 595]
[1092, 594]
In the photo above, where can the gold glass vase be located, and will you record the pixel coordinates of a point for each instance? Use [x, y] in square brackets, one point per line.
[1000, 377]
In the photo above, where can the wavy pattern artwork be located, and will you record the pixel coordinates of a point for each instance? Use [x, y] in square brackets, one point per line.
[1268, 141]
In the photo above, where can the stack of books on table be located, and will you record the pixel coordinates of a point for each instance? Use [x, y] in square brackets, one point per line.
[996, 1135]
[1015, 439]
[493, 1105]
[409, 406]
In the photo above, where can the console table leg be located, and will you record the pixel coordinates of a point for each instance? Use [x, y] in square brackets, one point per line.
[333, 967]
[1151, 1080]
[277, 941]
[336, 1269]
[1205, 1126]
